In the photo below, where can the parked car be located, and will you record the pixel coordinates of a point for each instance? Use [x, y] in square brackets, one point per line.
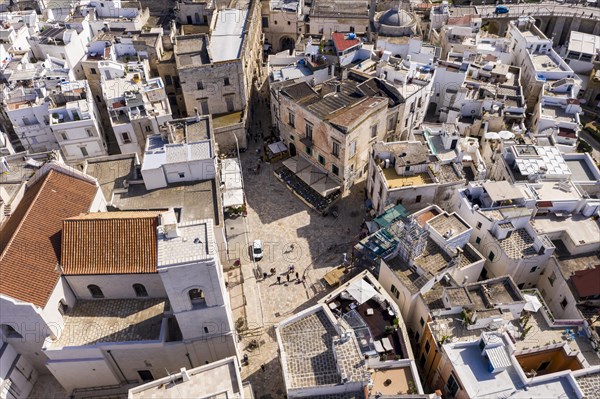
[257, 250]
[502, 10]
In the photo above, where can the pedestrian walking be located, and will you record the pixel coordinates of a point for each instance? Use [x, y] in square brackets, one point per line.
[278, 279]
[265, 275]
[297, 276]
[288, 277]
[262, 367]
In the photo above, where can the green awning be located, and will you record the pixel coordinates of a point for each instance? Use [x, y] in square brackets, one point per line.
[391, 215]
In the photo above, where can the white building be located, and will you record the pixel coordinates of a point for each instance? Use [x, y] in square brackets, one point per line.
[184, 152]
[137, 104]
[61, 43]
[557, 114]
[581, 51]
[154, 291]
[18, 375]
[538, 61]
[75, 121]
[503, 233]
[407, 173]
[282, 23]
[217, 379]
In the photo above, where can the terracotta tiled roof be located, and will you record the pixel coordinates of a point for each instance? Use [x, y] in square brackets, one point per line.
[30, 239]
[110, 243]
[342, 42]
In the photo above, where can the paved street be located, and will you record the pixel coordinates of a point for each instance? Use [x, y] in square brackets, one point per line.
[281, 220]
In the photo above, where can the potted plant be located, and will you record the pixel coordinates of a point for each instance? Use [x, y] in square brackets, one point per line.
[389, 330]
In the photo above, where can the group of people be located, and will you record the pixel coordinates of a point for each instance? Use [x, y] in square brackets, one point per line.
[289, 275]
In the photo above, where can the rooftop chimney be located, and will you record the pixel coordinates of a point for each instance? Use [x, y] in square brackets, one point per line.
[184, 375]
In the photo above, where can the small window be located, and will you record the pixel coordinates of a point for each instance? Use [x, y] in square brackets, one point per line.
[265, 22]
[479, 225]
[140, 290]
[196, 297]
[478, 240]
[9, 332]
[89, 132]
[93, 71]
[145, 375]
[126, 138]
[309, 150]
[84, 151]
[168, 80]
[62, 307]
[336, 149]
[452, 385]
[148, 128]
[395, 291]
[309, 131]
[390, 125]
[564, 303]
[520, 286]
[533, 269]
[427, 346]
[63, 135]
[321, 160]
[491, 256]
[199, 85]
[291, 119]
[353, 148]
[552, 278]
[422, 322]
[373, 131]
[95, 291]
[226, 82]
[181, 175]
[335, 170]
[418, 199]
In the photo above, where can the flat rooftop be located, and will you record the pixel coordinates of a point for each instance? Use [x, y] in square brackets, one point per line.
[228, 35]
[395, 181]
[315, 355]
[401, 378]
[584, 43]
[553, 191]
[580, 170]
[472, 370]
[212, 380]
[545, 63]
[90, 322]
[194, 242]
[539, 335]
[487, 293]
[445, 223]
[193, 200]
[111, 172]
[518, 245]
[580, 229]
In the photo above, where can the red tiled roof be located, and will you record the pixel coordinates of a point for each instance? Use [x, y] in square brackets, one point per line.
[587, 282]
[110, 243]
[341, 41]
[30, 239]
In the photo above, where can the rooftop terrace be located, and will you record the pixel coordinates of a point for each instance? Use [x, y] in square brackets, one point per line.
[308, 348]
[518, 245]
[91, 322]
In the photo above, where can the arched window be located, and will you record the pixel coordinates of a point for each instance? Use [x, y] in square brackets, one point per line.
[62, 307]
[140, 290]
[196, 297]
[95, 291]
